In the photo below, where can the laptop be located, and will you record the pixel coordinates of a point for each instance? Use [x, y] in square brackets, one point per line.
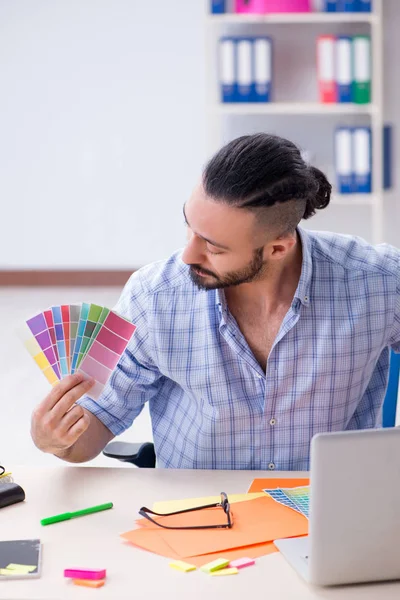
[354, 517]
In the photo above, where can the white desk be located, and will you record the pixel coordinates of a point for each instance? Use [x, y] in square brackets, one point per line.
[94, 541]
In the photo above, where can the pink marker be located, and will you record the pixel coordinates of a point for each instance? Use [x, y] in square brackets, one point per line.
[239, 563]
[85, 573]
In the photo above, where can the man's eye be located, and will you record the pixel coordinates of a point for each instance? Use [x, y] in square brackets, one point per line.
[211, 252]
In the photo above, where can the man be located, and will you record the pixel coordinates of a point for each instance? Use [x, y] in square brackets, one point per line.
[254, 338]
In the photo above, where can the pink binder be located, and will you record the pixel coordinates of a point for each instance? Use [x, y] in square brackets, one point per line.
[290, 6]
[250, 6]
[272, 6]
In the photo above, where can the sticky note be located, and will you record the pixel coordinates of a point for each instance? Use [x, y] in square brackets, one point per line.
[239, 563]
[215, 565]
[179, 565]
[9, 572]
[21, 568]
[89, 583]
[222, 572]
[85, 573]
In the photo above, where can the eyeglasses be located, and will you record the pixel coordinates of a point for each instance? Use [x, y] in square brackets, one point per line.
[224, 504]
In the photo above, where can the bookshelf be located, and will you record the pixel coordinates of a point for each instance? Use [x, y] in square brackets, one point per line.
[317, 23]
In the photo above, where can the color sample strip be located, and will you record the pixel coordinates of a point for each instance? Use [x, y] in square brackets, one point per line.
[38, 327]
[106, 350]
[279, 496]
[300, 496]
[92, 320]
[81, 328]
[103, 316]
[32, 345]
[65, 316]
[74, 312]
[48, 315]
[62, 352]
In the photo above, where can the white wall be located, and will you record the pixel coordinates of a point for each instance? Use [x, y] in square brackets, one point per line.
[102, 128]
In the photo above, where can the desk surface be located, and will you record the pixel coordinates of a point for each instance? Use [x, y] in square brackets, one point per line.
[132, 573]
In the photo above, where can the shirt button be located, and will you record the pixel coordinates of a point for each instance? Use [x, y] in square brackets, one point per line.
[271, 466]
[272, 422]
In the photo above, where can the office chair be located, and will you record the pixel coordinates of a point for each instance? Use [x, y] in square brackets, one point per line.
[390, 402]
[140, 455]
[143, 455]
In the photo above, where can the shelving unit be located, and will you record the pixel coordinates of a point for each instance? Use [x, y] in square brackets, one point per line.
[293, 19]
[295, 108]
[218, 25]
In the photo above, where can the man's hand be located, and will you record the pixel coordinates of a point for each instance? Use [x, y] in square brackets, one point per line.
[57, 423]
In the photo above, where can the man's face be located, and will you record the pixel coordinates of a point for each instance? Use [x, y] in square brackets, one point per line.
[225, 247]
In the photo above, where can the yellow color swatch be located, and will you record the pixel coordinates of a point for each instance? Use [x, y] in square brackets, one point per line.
[34, 349]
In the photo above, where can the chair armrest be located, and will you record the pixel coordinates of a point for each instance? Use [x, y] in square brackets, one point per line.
[141, 455]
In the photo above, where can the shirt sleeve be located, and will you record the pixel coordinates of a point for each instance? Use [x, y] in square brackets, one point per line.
[136, 378]
[395, 335]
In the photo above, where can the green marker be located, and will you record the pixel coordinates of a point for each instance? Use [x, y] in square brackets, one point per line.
[78, 513]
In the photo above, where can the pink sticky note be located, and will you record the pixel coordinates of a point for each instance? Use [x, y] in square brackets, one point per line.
[85, 573]
[239, 563]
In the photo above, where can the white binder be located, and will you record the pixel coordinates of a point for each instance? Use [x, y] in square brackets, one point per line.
[262, 69]
[362, 159]
[344, 160]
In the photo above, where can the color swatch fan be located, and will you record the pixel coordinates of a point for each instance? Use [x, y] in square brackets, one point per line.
[297, 498]
[70, 338]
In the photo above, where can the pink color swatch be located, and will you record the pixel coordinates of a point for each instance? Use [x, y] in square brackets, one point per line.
[95, 369]
[103, 355]
[120, 326]
[106, 350]
[110, 340]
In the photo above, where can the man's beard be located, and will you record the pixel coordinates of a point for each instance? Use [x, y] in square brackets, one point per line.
[251, 272]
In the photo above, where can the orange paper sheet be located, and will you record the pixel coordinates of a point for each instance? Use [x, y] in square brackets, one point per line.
[258, 485]
[152, 543]
[256, 522]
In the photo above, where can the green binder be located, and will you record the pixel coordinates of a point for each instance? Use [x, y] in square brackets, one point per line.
[361, 69]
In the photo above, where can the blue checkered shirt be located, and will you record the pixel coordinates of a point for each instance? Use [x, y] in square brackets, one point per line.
[211, 404]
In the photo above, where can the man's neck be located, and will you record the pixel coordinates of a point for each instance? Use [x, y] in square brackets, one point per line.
[275, 289]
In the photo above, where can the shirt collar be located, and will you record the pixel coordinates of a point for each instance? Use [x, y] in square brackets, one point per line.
[303, 288]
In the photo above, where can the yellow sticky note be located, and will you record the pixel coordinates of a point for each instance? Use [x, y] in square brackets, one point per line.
[215, 565]
[182, 566]
[8, 572]
[167, 506]
[20, 568]
[222, 572]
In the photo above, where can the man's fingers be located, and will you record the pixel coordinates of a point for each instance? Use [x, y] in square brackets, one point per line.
[59, 391]
[75, 432]
[70, 418]
[69, 399]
